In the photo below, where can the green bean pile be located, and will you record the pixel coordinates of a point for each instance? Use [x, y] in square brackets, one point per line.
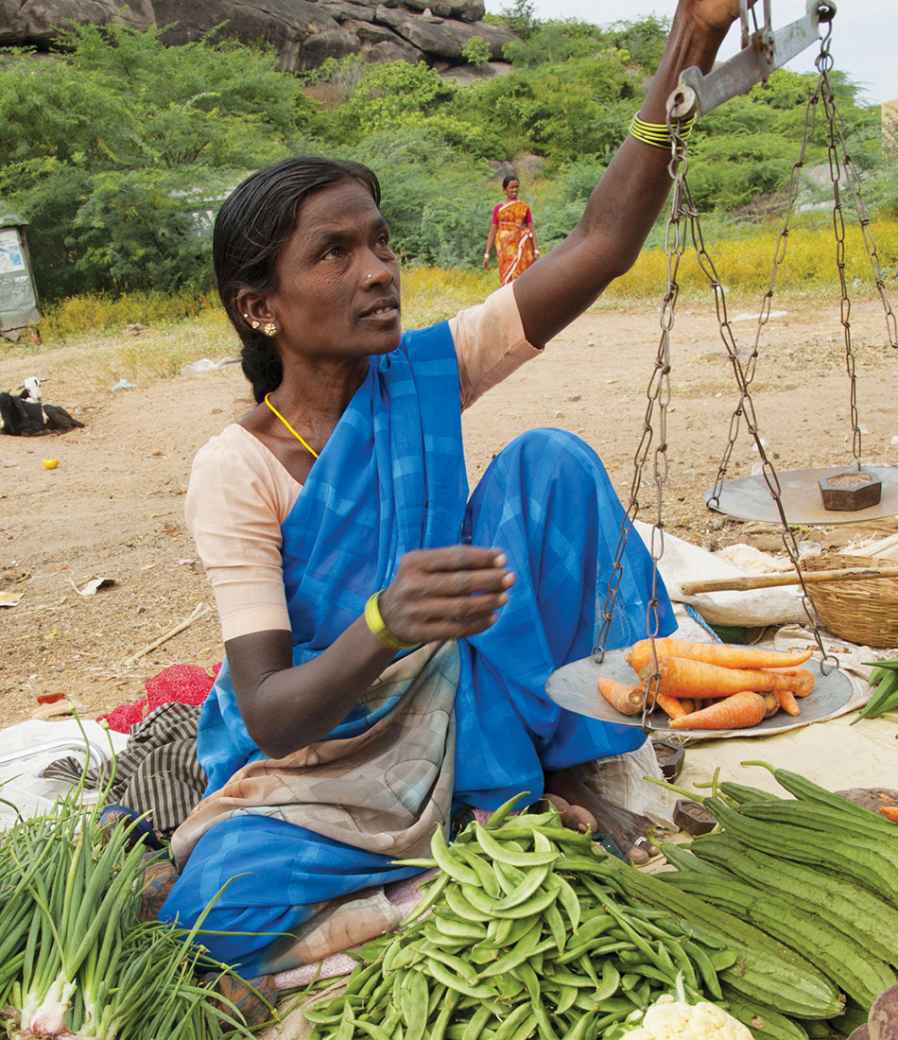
[525, 937]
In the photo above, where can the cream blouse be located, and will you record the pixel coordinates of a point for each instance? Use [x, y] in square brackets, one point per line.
[240, 494]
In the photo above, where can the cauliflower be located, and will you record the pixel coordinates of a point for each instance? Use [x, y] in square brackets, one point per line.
[672, 1019]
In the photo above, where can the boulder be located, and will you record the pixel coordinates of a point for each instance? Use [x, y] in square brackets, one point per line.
[467, 10]
[332, 43]
[303, 32]
[441, 39]
[348, 10]
[39, 22]
[381, 44]
[388, 51]
[284, 24]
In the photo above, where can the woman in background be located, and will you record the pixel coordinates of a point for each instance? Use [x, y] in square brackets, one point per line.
[511, 232]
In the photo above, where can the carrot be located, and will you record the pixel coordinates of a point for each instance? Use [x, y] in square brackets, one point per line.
[696, 679]
[803, 681]
[786, 700]
[673, 707]
[737, 712]
[773, 705]
[627, 700]
[890, 812]
[640, 655]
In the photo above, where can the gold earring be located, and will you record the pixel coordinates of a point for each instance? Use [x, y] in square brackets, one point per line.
[270, 328]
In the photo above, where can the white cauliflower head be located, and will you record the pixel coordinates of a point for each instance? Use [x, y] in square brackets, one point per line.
[672, 1019]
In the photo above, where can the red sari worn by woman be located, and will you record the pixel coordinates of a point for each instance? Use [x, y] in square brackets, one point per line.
[511, 232]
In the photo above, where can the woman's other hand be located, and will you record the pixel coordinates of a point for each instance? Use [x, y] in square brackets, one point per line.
[486, 261]
[445, 593]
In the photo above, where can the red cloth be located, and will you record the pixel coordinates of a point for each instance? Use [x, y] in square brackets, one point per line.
[179, 683]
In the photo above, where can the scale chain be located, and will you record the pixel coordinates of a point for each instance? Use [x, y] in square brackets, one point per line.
[824, 64]
[822, 92]
[654, 431]
[747, 409]
[853, 178]
[810, 122]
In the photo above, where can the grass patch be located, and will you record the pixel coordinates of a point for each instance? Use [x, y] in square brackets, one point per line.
[79, 315]
[744, 264]
[429, 294]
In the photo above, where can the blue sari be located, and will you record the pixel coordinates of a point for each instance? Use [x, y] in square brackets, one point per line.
[391, 479]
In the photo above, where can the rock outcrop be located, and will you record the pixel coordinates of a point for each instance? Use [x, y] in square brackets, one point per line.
[38, 22]
[303, 32]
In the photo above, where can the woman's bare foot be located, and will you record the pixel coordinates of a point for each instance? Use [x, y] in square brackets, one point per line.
[585, 805]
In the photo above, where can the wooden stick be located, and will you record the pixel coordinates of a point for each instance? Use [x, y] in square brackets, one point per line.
[201, 610]
[771, 581]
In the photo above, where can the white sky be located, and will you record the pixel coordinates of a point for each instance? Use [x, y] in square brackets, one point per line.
[865, 35]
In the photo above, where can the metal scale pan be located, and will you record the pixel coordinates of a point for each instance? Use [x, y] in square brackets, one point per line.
[574, 687]
[749, 498]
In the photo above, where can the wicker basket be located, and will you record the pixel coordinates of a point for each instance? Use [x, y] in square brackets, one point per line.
[863, 611]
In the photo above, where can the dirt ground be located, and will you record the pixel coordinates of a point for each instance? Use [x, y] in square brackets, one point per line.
[114, 506]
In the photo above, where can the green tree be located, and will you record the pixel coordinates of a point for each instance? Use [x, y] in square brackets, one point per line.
[106, 147]
[477, 52]
[520, 17]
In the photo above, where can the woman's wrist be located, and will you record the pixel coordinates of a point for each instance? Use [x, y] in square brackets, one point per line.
[691, 43]
[379, 626]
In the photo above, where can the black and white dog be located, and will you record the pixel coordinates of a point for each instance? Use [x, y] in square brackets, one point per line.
[25, 415]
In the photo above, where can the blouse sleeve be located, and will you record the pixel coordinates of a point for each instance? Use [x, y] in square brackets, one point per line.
[496, 209]
[234, 512]
[490, 344]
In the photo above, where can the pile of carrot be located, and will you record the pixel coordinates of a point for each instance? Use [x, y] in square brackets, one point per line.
[711, 685]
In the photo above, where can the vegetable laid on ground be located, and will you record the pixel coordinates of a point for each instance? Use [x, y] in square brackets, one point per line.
[815, 872]
[524, 932]
[76, 961]
[884, 678]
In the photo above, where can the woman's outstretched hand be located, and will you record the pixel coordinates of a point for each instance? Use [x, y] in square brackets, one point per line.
[712, 15]
[445, 593]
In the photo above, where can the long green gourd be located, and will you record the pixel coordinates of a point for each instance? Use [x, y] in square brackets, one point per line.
[845, 904]
[768, 972]
[815, 816]
[852, 858]
[842, 959]
[807, 791]
[764, 1022]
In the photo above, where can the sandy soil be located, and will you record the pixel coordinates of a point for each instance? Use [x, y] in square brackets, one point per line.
[114, 507]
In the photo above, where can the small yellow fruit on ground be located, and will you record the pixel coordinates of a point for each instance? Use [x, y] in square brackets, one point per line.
[50, 463]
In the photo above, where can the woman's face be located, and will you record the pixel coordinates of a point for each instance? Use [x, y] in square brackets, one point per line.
[512, 189]
[338, 278]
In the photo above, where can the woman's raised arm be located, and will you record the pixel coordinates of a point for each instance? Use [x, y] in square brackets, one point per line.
[625, 204]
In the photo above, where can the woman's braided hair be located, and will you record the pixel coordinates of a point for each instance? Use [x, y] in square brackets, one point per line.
[251, 229]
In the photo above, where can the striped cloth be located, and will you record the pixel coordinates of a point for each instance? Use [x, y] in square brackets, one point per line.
[158, 773]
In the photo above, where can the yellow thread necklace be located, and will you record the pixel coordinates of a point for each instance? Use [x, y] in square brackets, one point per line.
[298, 436]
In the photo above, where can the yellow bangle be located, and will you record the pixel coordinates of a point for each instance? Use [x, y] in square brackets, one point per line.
[658, 134]
[378, 627]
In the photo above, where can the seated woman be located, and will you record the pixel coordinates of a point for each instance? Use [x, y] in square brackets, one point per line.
[388, 638]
